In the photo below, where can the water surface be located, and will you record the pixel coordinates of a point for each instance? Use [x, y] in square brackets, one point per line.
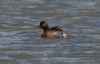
[20, 41]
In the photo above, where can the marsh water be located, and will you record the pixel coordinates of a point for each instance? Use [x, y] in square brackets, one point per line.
[20, 40]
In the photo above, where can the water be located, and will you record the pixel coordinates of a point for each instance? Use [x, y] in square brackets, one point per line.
[20, 41]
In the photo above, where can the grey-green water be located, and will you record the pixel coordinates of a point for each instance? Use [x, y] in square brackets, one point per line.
[20, 41]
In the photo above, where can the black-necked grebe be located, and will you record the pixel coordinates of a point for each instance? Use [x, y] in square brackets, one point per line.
[53, 32]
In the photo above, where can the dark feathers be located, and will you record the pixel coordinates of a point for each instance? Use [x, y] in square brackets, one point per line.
[57, 27]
